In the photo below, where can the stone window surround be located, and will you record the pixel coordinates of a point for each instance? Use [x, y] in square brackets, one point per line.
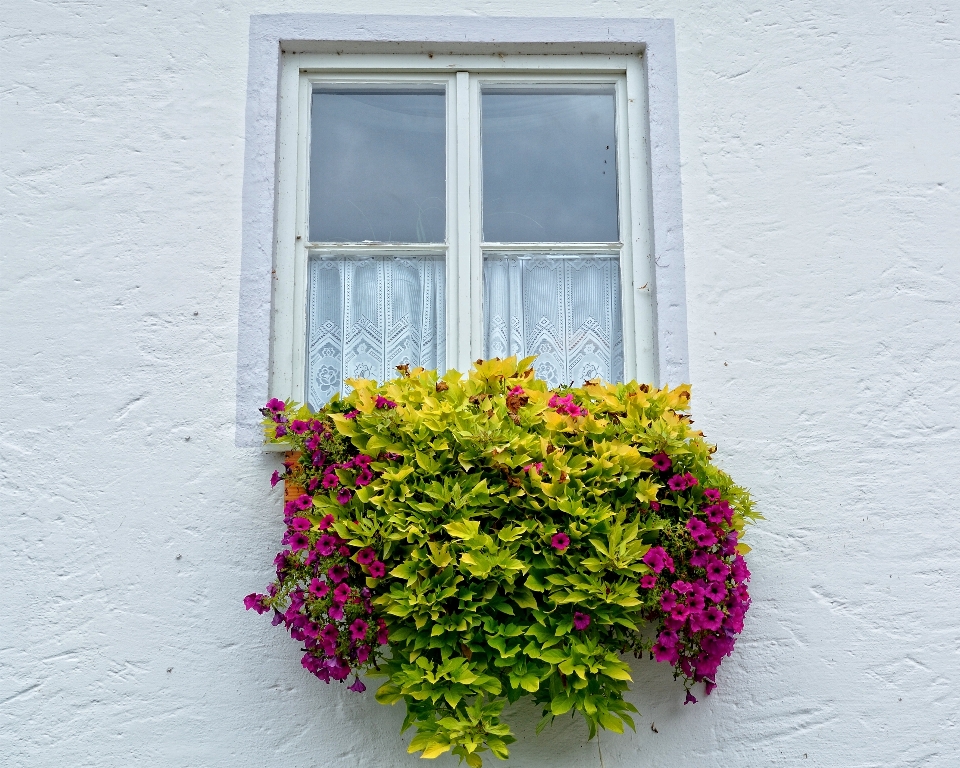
[324, 33]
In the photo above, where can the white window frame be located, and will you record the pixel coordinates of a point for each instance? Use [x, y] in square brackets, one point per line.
[651, 290]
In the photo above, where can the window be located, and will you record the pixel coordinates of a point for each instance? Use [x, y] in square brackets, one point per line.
[433, 207]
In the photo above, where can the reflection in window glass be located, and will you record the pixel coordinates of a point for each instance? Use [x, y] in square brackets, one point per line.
[377, 165]
[549, 164]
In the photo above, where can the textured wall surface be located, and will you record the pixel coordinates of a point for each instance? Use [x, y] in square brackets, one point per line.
[821, 186]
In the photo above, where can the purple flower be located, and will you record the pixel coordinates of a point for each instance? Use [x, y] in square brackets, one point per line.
[274, 479]
[358, 630]
[560, 541]
[330, 480]
[351, 414]
[335, 612]
[677, 483]
[366, 556]
[655, 506]
[661, 462]
[715, 592]
[668, 639]
[298, 427]
[382, 635]
[706, 538]
[717, 570]
[344, 496]
[691, 699]
[330, 632]
[712, 618]
[304, 502]
[319, 588]
[255, 602]
[364, 478]
[699, 559]
[357, 686]
[281, 430]
[714, 513]
[325, 522]
[537, 466]
[667, 653]
[299, 541]
[580, 621]
[363, 653]
[301, 524]
[658, 559]
[668, 601]
[679, 612]
[648, 582]
[326, 545]
[342, 593]
[382, 402]
[337, 573]
[377, 569]
[712, 494]
[740, 571]
[681, 587]
[276, 405]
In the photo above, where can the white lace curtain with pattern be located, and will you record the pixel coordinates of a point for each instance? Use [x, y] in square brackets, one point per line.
[565, 310]
[368, 315]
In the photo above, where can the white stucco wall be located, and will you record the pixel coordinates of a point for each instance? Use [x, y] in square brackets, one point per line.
[821, 186]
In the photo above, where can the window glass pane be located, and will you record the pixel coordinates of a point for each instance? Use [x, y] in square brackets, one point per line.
[367, 315]
[549, 164]
[378, 165]
[565, 310]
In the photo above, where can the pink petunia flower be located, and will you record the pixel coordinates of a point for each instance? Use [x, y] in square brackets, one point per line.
[580, 621]
[648, 582]
[337, 573]
[668, 638]
[715, 591]
[711, 494]
[366, 556]
[699, 559]
[382, 402]
[304, 502]
[717, 570]
[341, 593]
[276, 405]
[690, 699]
[667, 653]
[344, 496]
[299, 541]
[560, 541]
[358, 630]
[351, 415]
[325, 522]
[319, 589]
[255, 602]
[712, 618]
[335, 612]
[274, 479]
[377, 569]
[326, 545]
[658, 559]
[714, 513]
[661, 462]
[357, 687]
[301, 524]
[668, 601]
[739, 570]
[681, 587]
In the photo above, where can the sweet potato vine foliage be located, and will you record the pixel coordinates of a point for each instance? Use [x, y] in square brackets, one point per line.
[474, 539]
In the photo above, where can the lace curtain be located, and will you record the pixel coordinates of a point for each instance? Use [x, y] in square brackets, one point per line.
[367, 315]
[564, 310]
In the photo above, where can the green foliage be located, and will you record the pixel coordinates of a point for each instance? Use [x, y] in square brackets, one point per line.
[474, 476]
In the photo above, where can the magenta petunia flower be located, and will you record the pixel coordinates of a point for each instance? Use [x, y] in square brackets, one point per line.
[690, 480]
[667, 653]
[351, 414]
[357, 686]
[325, 522]
[681, 587]
[677, 483]
[668, 638]
[364, 478]
[344, 496]
[319, 588]
[274, 479]
[326, 545]
[274, 404]
[363, 653]
[255, 602]
[691, 699]
[299, 541]
[717, 570]
[344, 550]
[696, 526]
[706, 538]
[366, 556]
[382, 634]
[658, 559]
[301, 524]
[335, 612]
[655, 506]
[358, 630]
[377, 569]
[711, 494]
[661, 462]
[298, 427]
[679, 612]
[560, 541]
[330, 632]
[580, 621]
[648, 582]
[304, 502]
[714, 513]
[699, 559]
[382, 402]
[712, 618]
[330, 480]
[281, 430]
[668, 600]
[739, 570]
[337, 573]
[715, 591]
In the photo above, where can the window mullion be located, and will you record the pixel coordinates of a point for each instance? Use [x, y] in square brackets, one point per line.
[459, 300]
[474, 212]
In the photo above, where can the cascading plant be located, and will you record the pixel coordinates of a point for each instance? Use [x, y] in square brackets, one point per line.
[475, 539]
